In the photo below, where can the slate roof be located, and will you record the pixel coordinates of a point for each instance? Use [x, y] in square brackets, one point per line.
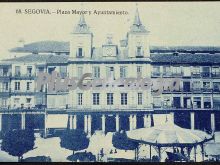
[32, 58]
[186, 58]
[43, 46]
[57, 46]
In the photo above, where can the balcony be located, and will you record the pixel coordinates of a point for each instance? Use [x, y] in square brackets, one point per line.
[155, 74]
[216, 89]
[24, 76]
[207, 90]
[79, 56]
[4, 93]
[196, 74]
[177, 74]
[216, 75]
[205, 74]
[5, 76]
[23, 92]
[139, 55]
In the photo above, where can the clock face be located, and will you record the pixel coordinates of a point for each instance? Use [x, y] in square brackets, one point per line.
[109, 51]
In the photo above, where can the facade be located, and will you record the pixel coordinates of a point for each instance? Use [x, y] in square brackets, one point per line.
[197, 67]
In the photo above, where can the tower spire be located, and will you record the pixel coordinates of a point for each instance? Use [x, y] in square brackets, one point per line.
[81, 26]
[137, 20]
[82, 20]
[137, 25]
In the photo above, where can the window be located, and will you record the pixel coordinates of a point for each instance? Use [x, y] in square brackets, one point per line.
[216, 86]
[186, 86]
[124, 98]
[156, 70]
[215, 71]
[17, 70]
[206, 71]
[123, 71]
[139, 71]
[206, 85]
[5, 71]
[139, 52]
[166, 70]
[197, 102]
[41, 69]
[110, 72]
[196, 70]
[207, 102]
[196, 85]
[50, 70]
[96, 72]
[139, 98]
[4, 102]
[63, 71]
[80, 52]
[187, 103]
[80, 98]
[28, 100]
[5, 86]
[166, 101]
[157, 102]
[95, 98]
[29, 70]
[177, 70]
[17, 85]
[176, 102]
[186, 71]
[16, 100]
[28, 85]
[216, 103]
[80, 71]
[109, 98]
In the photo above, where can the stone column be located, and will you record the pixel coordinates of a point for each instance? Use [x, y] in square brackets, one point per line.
[0, 122]
[103, 124]
[145, 121]
[74, 121]
[71, 121]
[192, 120]
[213, 121]
[172, 117]
[131, 122]
[181, 102]
[86, 123]
[117, 122]
[45, 125]
[89, 125]
[134, 121]
[22, 120]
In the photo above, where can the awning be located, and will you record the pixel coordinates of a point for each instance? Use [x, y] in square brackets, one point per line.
[57, 120]
[167, 135]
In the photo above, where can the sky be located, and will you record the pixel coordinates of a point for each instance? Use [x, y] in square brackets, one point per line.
[169, 23]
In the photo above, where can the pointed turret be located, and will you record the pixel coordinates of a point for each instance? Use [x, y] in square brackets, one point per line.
[82, 20]
[81, 40]
[81, 26]
[137, 25]
[137, 20]
[137, 39]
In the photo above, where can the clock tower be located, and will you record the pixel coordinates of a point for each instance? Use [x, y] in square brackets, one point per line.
[138, 39]
[109, 49]
[81, 40]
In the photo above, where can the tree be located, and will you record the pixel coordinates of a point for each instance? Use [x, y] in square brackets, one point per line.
[74, 140]
[121, 141]
[18, 142]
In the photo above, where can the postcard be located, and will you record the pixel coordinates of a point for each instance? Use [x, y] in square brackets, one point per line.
[110, 82]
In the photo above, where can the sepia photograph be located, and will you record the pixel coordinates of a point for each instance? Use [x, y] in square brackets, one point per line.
[110, 82]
